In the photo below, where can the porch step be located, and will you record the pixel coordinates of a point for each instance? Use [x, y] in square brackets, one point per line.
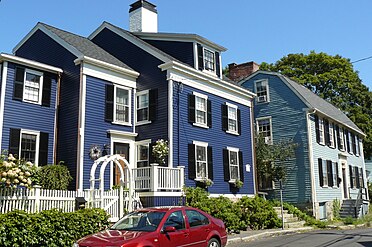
[348, 208]
[290, 221]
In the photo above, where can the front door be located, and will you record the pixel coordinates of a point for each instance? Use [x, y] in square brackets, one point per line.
[123, 150]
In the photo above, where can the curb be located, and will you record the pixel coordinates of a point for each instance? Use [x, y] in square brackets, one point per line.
[267, 234]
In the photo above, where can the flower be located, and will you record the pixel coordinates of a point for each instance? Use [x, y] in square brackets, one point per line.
[160, 151]
[11, 157]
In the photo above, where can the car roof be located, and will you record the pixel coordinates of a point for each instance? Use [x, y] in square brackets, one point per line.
[165, 209]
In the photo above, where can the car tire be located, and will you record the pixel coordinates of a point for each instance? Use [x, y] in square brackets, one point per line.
[213, 243]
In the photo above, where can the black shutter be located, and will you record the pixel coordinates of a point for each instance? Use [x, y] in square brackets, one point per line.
[191, 164]
[109, 106]
[224, 117]
[239, 122]
[241, 166]
[351, 176]
[357, 177]
[338, 137]
[337, 175]
[47, 90]
[209, 113]
[43, 149]
[153, 102]
[326, 132]
[151, 156]
[348, 148]
[226, 167]
[362, 177]
[210, 163]
[329, 173]
[317, 128]
[200, 57]
[191, 108]
[354, 143]
[18, 84]
[14, 139]
[218, 71]
[320, 165]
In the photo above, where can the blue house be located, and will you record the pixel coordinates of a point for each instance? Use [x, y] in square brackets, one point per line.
[28, 108]
[121, 91]
[328, 163]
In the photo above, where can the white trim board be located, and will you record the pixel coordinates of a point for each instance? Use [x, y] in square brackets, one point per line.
[4, 71]
[29, 63]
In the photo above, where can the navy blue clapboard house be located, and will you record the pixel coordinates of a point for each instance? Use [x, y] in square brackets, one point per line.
[123, 90]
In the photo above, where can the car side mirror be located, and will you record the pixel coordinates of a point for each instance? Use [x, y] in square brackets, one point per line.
[169, 229]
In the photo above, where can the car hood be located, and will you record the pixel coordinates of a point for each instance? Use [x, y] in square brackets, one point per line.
[111, 238]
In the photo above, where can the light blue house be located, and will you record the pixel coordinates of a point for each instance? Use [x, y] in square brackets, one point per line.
[121, 91]
[329, 162]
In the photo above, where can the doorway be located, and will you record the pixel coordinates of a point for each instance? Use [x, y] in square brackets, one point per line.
[123, 150]
[344, 182]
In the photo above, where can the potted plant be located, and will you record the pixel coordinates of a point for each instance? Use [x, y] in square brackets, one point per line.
[160, 151]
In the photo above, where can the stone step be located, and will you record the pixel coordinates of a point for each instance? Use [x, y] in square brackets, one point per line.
[297, 224]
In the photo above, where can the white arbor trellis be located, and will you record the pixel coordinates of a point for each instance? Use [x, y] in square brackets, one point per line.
[97, 197]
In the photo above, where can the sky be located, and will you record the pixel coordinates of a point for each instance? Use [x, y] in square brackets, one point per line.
[251, 30]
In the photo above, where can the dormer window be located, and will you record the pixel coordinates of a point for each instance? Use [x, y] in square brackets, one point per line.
[262, 91]
[208, 60]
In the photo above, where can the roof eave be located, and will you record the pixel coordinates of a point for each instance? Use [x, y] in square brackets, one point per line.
[28, 62]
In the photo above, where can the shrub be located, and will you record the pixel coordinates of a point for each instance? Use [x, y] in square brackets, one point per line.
[54, 177]
[50, 227]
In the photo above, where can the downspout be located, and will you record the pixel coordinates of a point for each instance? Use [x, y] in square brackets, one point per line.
[56, 124]
[170, 122]
[4, 71]
[311, 160]
[254, 167]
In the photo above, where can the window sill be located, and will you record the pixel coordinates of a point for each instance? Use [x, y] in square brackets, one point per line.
[200, 125]
[262, 102]
[124, 124]
[232, 132]
[143, 123]
[31, 102]
[210, 72]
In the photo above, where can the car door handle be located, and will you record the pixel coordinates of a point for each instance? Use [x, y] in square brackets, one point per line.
[186, 234]
[207, 229]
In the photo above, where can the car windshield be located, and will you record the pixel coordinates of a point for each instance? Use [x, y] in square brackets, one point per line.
[147, 221]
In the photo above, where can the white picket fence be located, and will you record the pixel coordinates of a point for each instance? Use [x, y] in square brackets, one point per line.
[37, 199]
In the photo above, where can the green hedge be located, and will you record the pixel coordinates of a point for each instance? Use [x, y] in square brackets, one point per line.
[50, 227]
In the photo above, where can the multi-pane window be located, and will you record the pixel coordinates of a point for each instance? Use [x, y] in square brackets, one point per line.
[122, 105]
[357, 143]
[350, 141]
[209, 60]
[341, 140]
[234, 164]
[361, 179]
[232, 118]
[200, 110]
[142, 106]
[142, 155]
[353, 177]
[262, 91]
[324, 170]
[334, 173]
[331, 135]
[201, 161]
[321, 131]
[264, 129]
[28, 147]
[32, 86]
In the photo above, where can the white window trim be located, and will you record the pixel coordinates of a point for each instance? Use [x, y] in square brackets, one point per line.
[321, 131]
[38, 73]
[334, 172]
[214, 61]
[148, 107]
[271, 127]
[331, 135]
[205, 145]
[143, 143]
[129, 104]
[357, 143]
[342, 138]
[236, 132]
[236, 150]
[205, 97]
[325, 173]
[351, 151]
[267, 91]
[30, 132]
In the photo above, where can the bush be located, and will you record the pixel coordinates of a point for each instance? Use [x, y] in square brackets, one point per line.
[54, 177]
[50, 227]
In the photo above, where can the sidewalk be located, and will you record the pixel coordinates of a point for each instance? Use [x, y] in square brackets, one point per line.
[253, 235]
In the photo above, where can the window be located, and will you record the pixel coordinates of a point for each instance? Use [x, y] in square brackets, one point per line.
[321, 131]
[323, 177]
[264, 129]
[196, 219]
[353, 141]
[349, 139]
[32, 86]
[352, 174]
[262, 91]
[331, 136]
[176, 220]
[200, 110]
[201, 162]
[340, 138]
[28, 150]
[143, 106]
[122, 105]
[142, 155]
[334, 174]
[357, 143]
[361, 179]
[208, 60]
[234, 164]
[232, 118]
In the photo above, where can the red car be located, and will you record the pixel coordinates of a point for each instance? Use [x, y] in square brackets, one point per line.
[161, 227]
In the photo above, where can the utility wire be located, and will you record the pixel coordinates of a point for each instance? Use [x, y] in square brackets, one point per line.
[366, 58]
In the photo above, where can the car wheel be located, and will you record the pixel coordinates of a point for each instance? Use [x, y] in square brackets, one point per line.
[213, 243]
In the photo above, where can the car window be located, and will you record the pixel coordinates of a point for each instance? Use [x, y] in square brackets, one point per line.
[176, 219]
[196, 219]
[147, 221]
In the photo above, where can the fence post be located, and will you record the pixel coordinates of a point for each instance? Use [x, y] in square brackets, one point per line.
[154, 177]
[182, 176]
[37, 198]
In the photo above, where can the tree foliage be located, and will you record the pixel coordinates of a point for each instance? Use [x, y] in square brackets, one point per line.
[334, 79]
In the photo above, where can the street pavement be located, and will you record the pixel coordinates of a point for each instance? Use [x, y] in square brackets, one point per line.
[304, 237]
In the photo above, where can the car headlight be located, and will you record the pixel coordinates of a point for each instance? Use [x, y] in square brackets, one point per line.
[75, 245]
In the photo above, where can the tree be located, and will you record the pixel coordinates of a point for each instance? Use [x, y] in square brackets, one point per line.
[334, 79]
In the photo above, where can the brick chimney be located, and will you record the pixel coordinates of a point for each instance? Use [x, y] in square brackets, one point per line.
[143, 17]
[240, 71]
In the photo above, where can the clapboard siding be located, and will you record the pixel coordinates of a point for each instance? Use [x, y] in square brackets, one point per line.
[42, 48]
[288, 122]
[95, 125]
[183, 51]
[159, 201]
[215, 137]
[151, 77]
[23, 115]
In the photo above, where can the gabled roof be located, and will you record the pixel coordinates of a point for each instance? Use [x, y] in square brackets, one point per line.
[311, 100]
[78, 45]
